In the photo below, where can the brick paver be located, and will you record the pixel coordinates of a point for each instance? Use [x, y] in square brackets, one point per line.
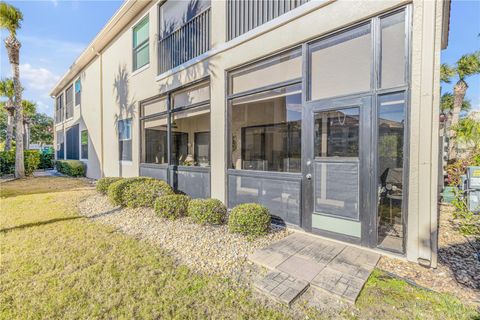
[300, 260]
[281, 286]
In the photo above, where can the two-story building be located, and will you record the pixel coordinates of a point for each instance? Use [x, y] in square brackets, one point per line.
[324, 111]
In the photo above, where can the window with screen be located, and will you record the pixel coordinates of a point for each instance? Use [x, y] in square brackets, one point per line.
[141, 54]
[125, 139]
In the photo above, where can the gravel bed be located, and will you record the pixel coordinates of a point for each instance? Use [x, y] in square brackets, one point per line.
[206, 249]
[458, 270]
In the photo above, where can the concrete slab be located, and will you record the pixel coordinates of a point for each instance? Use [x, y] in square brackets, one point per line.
[300, 260]
[339, 283]
[268, 258]
[281, 286]
[301, 268]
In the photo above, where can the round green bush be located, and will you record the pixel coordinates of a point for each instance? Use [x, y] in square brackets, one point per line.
[207, 211]
[172, 206]
[143, 193]
[250, 219]
[104, 183]
[116, 190]
[72, 168]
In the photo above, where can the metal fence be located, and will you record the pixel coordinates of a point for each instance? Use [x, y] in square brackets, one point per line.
[246, 15]
[187, 42]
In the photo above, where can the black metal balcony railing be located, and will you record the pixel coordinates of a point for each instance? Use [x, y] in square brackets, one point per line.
[244, 16]
[187, 42]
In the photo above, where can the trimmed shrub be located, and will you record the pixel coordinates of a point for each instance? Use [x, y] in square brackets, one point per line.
[7, 162]
[47, 158]
[143, 193]
[250, 219]
[172, 206]
[31, 160]
[116, 189]
[72, 168]
[207, 211]
[104, 183]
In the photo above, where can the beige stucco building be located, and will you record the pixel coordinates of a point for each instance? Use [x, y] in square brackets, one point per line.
[324, 111]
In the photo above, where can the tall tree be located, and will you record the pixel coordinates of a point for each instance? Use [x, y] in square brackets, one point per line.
[446, 103]
[466, 66]
[7, 91]
[10, 20]
[29, 111]
[41, 131]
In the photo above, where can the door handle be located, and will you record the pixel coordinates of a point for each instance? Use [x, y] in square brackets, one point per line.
[308, 176]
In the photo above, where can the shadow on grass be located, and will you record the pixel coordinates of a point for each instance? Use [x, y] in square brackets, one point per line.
[39, 223]
[41, 185]
[106, 213]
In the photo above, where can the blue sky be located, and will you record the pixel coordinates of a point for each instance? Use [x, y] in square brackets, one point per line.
[55, 32]
[464, 38]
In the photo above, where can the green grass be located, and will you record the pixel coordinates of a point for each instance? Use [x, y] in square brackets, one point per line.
[56, 264]
[390, 298]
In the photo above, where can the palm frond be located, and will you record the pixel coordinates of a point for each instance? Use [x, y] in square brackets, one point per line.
[468, 65]
[7, 88]
[446, 103]
[10, 18]
[446, 73]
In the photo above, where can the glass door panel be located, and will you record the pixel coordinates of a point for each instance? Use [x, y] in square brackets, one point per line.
[336, 169]
[390, 140]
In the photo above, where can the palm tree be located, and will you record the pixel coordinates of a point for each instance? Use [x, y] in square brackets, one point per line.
[468, 131]
[466, 66]
[446, 105]
[10, 19]
[29, 112]
[6, 90]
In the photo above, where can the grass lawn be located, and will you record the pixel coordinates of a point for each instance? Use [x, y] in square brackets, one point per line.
[57, 264]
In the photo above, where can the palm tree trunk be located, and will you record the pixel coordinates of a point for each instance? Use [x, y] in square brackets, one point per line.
[10, 125]
[13, 48]
[459, 91]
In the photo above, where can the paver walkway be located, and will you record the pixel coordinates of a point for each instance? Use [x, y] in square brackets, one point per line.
[301, 260]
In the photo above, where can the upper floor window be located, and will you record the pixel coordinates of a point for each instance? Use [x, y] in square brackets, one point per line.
[69, 102]
[59, 109]
[78, 90]
[141, 55]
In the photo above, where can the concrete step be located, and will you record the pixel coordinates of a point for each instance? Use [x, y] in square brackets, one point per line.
[281, 287]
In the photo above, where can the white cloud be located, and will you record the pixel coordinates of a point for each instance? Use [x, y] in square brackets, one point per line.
[39, 79]
[44, 108]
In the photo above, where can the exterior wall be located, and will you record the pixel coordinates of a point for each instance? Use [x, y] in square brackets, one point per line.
[87, 116]
[424, 115]
[124, 89]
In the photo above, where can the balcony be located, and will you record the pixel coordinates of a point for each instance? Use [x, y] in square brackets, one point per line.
[243, 16]
[185, 43]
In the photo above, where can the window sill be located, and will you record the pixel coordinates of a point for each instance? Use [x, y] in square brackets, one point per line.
[139, 70]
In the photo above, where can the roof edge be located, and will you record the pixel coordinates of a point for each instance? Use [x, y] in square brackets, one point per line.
[447, 4]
